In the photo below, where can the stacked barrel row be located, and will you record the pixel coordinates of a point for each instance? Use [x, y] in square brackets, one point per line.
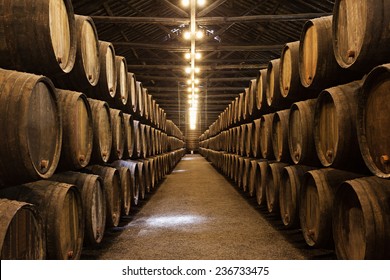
[82, 144]
[307, 149]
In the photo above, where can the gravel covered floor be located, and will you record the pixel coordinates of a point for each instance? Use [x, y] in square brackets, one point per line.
[196, 213]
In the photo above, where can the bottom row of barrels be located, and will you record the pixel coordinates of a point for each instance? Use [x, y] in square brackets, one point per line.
[54, 219]
[335, 209]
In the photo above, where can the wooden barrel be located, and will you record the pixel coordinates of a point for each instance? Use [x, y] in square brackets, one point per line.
[335, 127]
[77, 136]
[152, 142]
[134, 176]
[129, 136]
[105, 89]
[251, 97]
[246, 174]
[242, 139]
[240, 172]
[300, 133]
[373, 121]
[59, 205]
[122, 89]
[248, 145]
[361, 219]
[289, 194]
[273, 182]
[150, 109]
[255, 145]
[235, 166]
[102, 131]
[253, 177]
[86, 71]
[152, 172]
[140, 99]
[31, 128]
[126, 197]
[147, 175]
[154, 111]
[113, 191]
[22, 235]
[275, 99]
[280, 136]
[146, 104]
[357, 27]
[261, 182]
[143, 141]
[118, 134]
[235, 110]
[318, 68]
[142, 177]
[133, 97]
[238, 139]
[93, 199]
[290, 82]
[38, 37]
[261, 91]
[316, 204]
[266, 136]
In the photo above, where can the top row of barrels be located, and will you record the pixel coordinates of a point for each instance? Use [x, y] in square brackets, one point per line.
[332, 50]
[67, 50]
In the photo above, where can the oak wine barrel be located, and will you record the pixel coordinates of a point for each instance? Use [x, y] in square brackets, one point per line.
[129, 136]
[280, 136]
[335, 128]
[300, 133]
[361, 219]
[118, 134]
[266, 136]
[134, 175]
[358, 26]
[316, 204]
[37, 36]
[102, 131]
[22, 235]
[289, 194]
[275, 100]
[373, 121]
[93, 200]
[273, 182]
[105, 89]
[86, 70]
[112, 190]
[261, 91]
[32, 129]
[77, 136]
[290, 83]
[318, 68]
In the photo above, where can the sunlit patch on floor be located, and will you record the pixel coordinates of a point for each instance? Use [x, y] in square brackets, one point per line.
[175, 220]
[179, 170]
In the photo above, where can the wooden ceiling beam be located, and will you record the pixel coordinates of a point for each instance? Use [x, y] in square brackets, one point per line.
[175, 89]
[210, 80]
[206, 20]
[202, 68]
[208, 47]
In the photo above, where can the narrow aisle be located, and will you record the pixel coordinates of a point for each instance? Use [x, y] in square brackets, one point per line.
[197, 214]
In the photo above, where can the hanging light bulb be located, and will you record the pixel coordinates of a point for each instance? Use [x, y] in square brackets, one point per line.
[189, 89]
[196, 81]
[186, 3]
[187, 56]
[198, 56]
[187, 35]
[199, 34]
[197, 70]
[188, 70]
[201, 3]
